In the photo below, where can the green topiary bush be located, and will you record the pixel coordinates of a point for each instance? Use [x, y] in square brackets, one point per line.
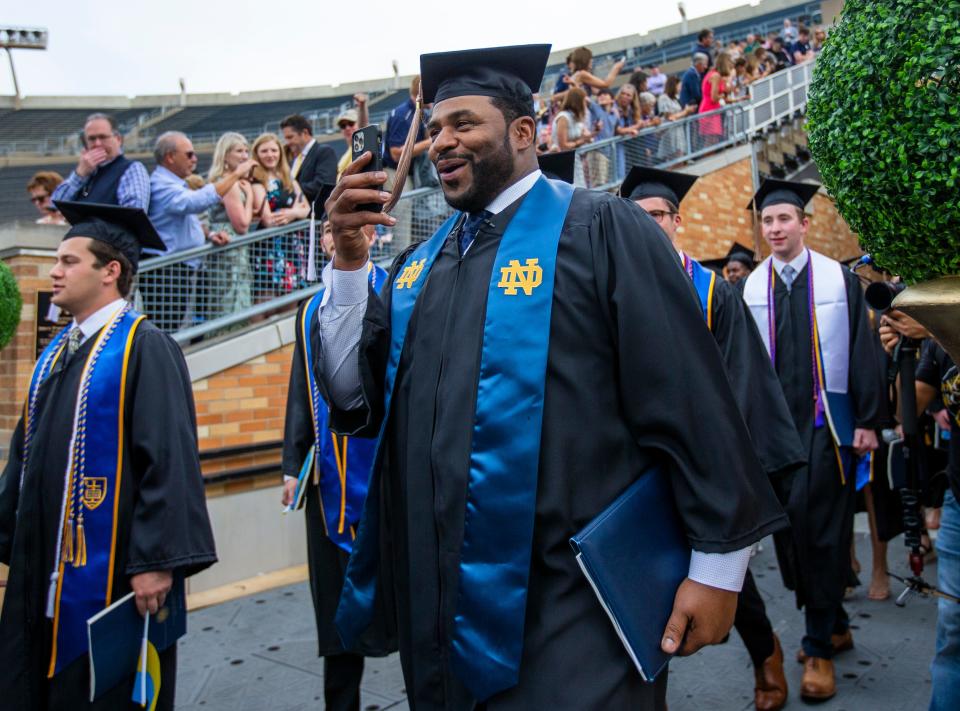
[884, 129]
[10, 305]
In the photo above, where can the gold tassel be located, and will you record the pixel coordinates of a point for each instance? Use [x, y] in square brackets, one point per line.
[406, 155]
[67, 553]
[81, 558]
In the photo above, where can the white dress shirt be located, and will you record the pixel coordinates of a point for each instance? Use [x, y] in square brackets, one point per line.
[798, 263]
[98, 319]
[341, 321]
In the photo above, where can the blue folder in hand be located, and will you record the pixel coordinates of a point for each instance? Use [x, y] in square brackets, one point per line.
[635, 555]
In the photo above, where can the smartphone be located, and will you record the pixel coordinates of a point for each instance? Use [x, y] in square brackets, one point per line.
[369, 138]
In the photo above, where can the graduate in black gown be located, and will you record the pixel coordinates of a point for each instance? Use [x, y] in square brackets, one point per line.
[827, 368]
[628, 372]
[154, 499]
[758, 393]
[330, 528]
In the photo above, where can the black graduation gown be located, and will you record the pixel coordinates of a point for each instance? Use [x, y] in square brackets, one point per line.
[631, 369]
[327, 562]
[815, 559]
[755, 384]
[163, 521]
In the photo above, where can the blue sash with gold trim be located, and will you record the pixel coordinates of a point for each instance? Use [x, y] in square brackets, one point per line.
[83, 581]
[704, 281]
[501, 500]
[343, 464]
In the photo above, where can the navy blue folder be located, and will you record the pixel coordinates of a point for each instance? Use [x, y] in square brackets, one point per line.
[635, 555]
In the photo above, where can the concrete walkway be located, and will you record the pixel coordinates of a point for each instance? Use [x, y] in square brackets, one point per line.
[259, 653]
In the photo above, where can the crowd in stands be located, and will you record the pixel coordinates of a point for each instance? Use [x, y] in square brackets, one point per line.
[280, 179]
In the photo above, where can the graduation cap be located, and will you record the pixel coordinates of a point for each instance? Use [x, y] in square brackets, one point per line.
[670, 185]
[558, 166]
[783, 192]
[501, 72]
[126, 229]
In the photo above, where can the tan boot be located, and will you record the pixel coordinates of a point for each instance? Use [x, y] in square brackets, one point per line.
[770, 691]
[841, 643]
[819, 680]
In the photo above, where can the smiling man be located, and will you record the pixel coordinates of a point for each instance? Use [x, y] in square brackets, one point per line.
[510, 363]
[804, 304]
[102, 493]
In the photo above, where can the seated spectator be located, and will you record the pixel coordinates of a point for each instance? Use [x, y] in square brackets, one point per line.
[603, 113]
[395, 135]
[779, 56]
[569, 126]
[672, 140]
[656, 81]
[704, 46]
[789, 32]
[174, 297]
[581, 61]
[40, 188]
[628, 107]
[232, 217]
[819, 37]
[348, 122]
[802, 51]
[691, 83]
[313, 166]
[278, 198]
[104, 174]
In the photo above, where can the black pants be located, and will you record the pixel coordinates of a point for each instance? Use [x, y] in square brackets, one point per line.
[341, 681]
[751, 622]
[822, 622]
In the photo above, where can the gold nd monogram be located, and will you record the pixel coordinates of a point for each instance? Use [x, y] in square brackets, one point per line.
[514, 276]
[410, 275]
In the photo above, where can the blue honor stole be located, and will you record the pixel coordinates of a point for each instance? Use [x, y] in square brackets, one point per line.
[501, 499]
[82, 585]
[705, 282]
[342, 465]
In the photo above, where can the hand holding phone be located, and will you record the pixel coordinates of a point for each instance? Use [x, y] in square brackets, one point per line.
[369, 138]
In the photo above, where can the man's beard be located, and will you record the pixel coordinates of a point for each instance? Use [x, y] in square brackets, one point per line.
[490, 175]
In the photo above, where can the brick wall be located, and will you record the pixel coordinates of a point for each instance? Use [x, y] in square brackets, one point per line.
[714, 218]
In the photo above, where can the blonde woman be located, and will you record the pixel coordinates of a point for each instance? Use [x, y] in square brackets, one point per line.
[231, 217]
[281, 265]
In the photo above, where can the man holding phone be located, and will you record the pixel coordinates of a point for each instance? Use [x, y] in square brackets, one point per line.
[104, 175]
[487, 467]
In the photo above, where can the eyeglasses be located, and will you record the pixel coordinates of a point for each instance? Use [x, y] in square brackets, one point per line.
[344, 125]
[190, 154]
[39, 199]
[660, 215]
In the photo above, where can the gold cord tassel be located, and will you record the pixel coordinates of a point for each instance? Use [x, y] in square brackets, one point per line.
[81, 557]
[406, 155]
[67, 554]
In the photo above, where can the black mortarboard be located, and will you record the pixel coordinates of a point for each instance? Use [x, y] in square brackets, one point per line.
[643, 183]
[744, 259]
[504, 72]
[127, 229]
[777, 192]
[558, 166]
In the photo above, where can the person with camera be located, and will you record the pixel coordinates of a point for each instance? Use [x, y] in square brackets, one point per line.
[811, 314]
[937, 377]
[471, 504]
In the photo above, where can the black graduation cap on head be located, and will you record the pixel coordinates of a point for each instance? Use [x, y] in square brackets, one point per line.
[779, 192]
[670, 185]
[126, 229]
[505, 72]
[558, 166]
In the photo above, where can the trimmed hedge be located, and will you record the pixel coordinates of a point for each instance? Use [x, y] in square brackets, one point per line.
[10, 305]
[884, 129]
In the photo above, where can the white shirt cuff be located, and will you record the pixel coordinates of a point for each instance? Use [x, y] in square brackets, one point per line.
[720, 570]
[348, 288]
[287, 477]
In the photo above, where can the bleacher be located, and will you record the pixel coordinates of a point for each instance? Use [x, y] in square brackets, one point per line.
[37, 124]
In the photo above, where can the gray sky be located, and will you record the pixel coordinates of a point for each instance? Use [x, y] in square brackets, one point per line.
[129, 48]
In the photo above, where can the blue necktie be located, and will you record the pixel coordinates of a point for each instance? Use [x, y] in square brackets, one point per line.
[470, 228]
[787, 276]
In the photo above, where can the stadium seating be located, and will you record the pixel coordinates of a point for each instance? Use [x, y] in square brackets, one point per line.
[37, 124]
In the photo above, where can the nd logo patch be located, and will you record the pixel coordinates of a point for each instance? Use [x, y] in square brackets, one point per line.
[514, 276]
[410, 274]
[94, 491]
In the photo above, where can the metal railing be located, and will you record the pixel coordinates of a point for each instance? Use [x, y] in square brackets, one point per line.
[208, 291]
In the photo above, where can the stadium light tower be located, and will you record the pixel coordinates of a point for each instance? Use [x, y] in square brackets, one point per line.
[20, 38]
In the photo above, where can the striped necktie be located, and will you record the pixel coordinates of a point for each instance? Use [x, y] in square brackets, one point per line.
[470, 228]
[787, 275]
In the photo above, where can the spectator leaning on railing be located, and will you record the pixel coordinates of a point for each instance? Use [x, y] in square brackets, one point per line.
[569, 126]
[691, 91]
[103, 174]
[40, 188]
[802, 51]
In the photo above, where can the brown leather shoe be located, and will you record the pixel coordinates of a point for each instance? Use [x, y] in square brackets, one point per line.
[819, 682]
[770, 691]
[841, 643]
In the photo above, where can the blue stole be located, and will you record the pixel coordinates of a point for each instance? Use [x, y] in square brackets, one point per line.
[86, 553]
[504, 459]
[704, 281]
[343, 464]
